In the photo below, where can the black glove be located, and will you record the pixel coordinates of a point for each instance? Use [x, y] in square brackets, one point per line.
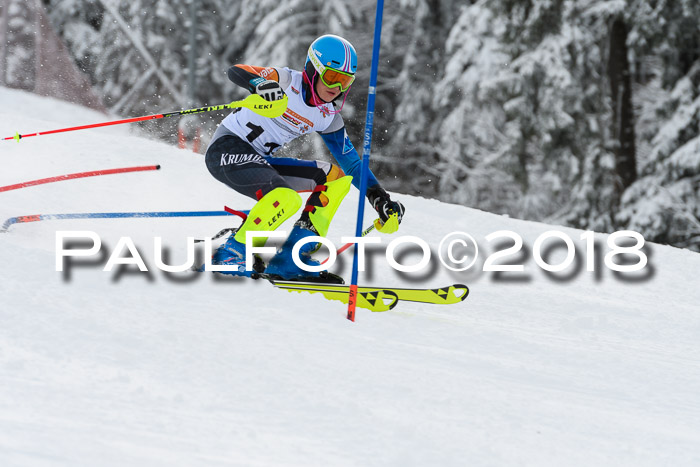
[266, 88]
[382, 203]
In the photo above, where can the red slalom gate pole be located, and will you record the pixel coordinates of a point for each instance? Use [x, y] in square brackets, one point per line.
[94, 173]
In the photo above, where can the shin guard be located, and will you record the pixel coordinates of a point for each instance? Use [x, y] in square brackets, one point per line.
[323, 204]
[269, 213]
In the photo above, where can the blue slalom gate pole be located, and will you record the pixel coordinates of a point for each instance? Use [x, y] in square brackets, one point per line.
[109, 215]
[369, 122]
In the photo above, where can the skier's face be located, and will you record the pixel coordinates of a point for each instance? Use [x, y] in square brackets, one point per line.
[325, 93]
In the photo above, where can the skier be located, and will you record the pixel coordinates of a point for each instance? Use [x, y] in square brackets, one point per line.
[240, 155]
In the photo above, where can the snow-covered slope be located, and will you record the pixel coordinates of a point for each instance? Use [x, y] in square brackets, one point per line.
[131, 368]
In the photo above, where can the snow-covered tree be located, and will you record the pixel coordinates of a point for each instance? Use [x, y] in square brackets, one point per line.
[664, 203]
[18, 56]
[412, 62]
[527, 123]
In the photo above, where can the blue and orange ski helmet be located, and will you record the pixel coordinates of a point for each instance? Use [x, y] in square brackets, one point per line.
[334, 60]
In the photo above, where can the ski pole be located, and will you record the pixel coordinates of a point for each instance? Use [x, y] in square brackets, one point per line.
[269, 109]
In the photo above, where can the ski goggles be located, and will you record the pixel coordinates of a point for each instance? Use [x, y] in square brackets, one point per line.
[337, 79]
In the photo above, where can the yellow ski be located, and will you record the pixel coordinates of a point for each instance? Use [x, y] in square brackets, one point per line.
[439, 296]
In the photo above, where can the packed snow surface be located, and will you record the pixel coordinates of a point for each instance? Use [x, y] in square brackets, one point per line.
[118, 368]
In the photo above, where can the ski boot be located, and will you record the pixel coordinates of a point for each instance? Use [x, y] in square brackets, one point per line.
[282, 266]
[232, 253]
[269, 213]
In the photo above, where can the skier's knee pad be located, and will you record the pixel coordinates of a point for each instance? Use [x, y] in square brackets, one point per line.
[269, 213]
[325, 201]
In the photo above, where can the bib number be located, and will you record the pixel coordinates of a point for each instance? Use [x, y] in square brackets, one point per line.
[255, 132]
